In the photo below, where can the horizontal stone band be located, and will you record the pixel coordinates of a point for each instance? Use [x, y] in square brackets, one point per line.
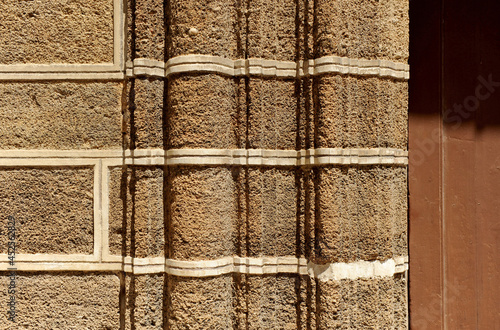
[206, 268]
[207, 157]
[267, 68]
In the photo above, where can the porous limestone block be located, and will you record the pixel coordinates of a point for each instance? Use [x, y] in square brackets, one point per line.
[149, 29]
[272, 212]
[145, 296]
[364, 303]
[202, 112]
[53, 209]
[60, 115]
[361, 112]
[204, 27]
[63, 301]
[272, 116]
[272, 29]
[363, 29]
[362, 213]
[200, 303]
[145, 116]
[202, 212]
[279, 301]
[136, 211]
[56, 31]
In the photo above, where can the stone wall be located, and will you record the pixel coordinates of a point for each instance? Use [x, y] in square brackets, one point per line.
[187, 164]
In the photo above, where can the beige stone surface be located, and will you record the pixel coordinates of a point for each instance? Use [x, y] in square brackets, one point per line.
[60, 115]
[63, 301]
[202, 212]
[144, 118]
[272, 114]
[56, 31]
[363, 304]
[272, 29]
[149, 29]
[204, 27]
[281, 301]
[272, 212]
[362, 213]
[202, 112]
[361, 112]
[138, 231]
[363, 29]
[200, 303]
[53, 209]
[145, 296]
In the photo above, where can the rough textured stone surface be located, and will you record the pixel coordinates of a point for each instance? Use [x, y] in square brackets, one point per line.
[362, 213]
[56, 31]
[138, 232]
[361, 112]
[272, 119]
[145, 301]
[363, 29]
[204, 27]
[202, 112]
[53, 209]
[144, 118]
[60, 115]
[272, 212]
[63, 301]
[282, 301]
[202, 212]
[149, 29]
[272, 29]
[378, 303]
[200, 303]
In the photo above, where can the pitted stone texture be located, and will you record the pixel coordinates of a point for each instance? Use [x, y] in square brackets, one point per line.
[272, 212]
[56, 31]
[138, 232]
[202, 112]
[363, 29]
[202, 213]
[204, 27]
[362, 213]
[145, 120]
[52, 207]
[63, 301]
[282, 301]
[145, 301]
[272, 119]
[149, 30]
[60, 115]
[359, 112]
[273, 301]
[377, 303]
[200, 303]
[272, 29]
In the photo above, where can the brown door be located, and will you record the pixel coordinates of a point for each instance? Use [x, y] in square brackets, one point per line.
[454, 172]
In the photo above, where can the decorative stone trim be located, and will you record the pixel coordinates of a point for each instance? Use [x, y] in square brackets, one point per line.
[267, 68]
[217, 267]
[208, 157]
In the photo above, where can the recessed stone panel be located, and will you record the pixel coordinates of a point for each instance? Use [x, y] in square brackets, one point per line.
[56, 31]
[136, 221]
[61, 115]
[63, 301]
[53, 209]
